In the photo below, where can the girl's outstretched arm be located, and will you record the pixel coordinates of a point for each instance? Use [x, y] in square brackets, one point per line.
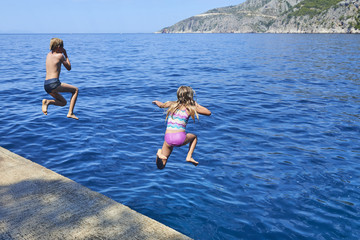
[162, 105]
[202, 110]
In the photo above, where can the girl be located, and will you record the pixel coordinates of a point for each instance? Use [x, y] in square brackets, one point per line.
[177, 116]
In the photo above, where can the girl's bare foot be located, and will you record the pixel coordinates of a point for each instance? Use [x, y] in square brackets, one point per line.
[160, 159]
[160, 155]
[72, 116]
[191, 160]
[44, 106]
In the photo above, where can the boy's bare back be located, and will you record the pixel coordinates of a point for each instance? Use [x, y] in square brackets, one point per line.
[53, 64]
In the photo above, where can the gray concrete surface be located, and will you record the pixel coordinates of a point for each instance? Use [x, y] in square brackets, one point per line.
[37, 203]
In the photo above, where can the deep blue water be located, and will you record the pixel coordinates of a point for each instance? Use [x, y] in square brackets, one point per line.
[279, 157]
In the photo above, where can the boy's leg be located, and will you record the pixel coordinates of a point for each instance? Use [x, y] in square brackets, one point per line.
[192, 140]
[163, 154]
[64, 87]
[58, 101]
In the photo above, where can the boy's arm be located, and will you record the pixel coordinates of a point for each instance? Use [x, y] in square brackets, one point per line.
[65, 60]
[202, 110]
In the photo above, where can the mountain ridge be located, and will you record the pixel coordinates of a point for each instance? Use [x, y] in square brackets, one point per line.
[275, 16]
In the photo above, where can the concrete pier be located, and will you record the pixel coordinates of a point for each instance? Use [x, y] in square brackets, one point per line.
[37, 203]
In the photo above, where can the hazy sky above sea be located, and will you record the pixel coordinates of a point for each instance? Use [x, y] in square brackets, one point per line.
[99, 16]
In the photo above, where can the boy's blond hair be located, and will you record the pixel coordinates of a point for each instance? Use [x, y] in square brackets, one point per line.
[56, 42]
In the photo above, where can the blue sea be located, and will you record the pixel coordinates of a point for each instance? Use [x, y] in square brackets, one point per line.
[278, 158]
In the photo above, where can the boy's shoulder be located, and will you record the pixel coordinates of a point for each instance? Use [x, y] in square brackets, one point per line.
[55, 55]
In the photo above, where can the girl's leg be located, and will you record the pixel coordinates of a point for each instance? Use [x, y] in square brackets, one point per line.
[192, 140]
[64, 87]
[58, 101]
[163, 155]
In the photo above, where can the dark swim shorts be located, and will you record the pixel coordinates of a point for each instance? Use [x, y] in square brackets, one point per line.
[51, 84]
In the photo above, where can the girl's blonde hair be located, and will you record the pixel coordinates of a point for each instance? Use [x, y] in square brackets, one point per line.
[185, 97]
[56, 42]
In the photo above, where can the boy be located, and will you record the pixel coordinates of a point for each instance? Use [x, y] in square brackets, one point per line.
[52, 85]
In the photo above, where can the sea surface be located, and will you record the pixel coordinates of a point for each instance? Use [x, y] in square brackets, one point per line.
[279, 158]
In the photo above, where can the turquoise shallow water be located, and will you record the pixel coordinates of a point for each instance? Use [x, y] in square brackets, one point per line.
[279, 157]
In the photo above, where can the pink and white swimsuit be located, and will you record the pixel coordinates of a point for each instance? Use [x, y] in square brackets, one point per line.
[177, 121]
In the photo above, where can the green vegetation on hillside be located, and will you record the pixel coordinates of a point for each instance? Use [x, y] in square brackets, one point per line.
[357, 19]
[312, 7]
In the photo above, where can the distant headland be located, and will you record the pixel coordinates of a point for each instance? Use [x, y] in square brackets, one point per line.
[276, 16]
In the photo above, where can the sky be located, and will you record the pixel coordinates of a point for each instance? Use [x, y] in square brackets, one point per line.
[99, 16]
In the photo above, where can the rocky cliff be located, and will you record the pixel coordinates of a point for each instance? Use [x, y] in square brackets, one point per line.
[276, 16]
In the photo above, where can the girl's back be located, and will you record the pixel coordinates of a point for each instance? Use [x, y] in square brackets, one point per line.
[178, 120]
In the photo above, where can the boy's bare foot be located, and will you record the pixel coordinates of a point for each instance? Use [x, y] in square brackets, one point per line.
[72, 116]
[160, 159]
[44, 106]
[191, 160]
